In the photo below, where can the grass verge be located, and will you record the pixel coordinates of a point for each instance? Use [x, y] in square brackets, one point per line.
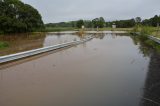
[58, 29]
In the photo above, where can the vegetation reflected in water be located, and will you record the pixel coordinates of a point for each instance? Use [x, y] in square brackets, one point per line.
[23, 42]
[111, 70]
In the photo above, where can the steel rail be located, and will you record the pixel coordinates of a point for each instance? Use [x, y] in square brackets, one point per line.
[12, 57]
[154, 39]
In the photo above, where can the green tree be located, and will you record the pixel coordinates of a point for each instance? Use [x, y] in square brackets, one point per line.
[101, 22]
[98, 22]
[15, 16]
[88, 24]
[155, 20]
[80, 23]
[138, 20]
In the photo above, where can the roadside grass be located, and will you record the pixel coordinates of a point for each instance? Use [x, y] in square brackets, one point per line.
[153, 31]
[144, 32]
[152, 44]
[156, 34]
[116, 29]
[58, 29]
[3, 45]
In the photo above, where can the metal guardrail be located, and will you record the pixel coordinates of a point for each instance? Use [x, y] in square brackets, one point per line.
[21, 55]
[154, 39]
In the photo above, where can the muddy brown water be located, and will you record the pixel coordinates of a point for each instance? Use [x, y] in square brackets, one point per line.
[24, 42]
[110, 70]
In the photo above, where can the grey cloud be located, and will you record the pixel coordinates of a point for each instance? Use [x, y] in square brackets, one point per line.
[65, 10]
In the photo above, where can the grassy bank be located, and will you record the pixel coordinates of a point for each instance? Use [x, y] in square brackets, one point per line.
[58, 29]
[147, 30]
[150, 43]
[156, 34]
[144, 32]
[116, 29]
[3, 45]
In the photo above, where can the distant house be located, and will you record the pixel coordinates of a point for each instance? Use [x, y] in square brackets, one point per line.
[113, 25]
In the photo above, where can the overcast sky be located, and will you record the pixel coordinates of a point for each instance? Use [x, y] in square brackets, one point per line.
[66, 10]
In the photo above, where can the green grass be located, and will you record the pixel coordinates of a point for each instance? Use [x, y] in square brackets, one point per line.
[58, 29]
[144, 32]
[153, 44]
[116, 29]
[156, 34]
[3, 45]
[153, 31]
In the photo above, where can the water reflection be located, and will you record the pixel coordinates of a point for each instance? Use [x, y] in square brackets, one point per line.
[143, 48]
[109, 70]
[151, 95]
[24, 42]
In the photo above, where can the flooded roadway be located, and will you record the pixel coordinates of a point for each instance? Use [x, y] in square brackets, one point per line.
[24, 42]
[110, 70]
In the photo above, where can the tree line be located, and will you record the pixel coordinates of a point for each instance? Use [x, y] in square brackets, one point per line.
[101, 23]
[154, 21]
[15, 17]
[97, 22]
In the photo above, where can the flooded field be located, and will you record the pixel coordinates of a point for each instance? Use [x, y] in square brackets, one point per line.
[110, 70]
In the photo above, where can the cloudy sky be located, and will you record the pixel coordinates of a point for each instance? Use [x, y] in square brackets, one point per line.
[66, 10]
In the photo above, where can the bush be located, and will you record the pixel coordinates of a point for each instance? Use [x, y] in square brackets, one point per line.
[146, 30]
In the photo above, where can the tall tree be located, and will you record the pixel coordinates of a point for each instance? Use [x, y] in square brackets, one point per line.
[15, 16]
[138, 20]
[155, 20]
[80, 23]
[98, 22]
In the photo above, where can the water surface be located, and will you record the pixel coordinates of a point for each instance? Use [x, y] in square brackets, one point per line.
[24, 42]
[110, 70]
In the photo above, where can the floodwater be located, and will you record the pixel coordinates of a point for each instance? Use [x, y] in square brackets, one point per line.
[24, 42]
[110, 70]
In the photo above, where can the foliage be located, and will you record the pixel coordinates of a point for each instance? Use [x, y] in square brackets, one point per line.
[98, 22]
[15, 16]
[152, 21]
[138, 20]
[88, 24]
[80, 23]
[146, 30]
[143, 30]
[58, 29]
[3, 45]
[62, 24]
[122, 23]
[152, 44]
